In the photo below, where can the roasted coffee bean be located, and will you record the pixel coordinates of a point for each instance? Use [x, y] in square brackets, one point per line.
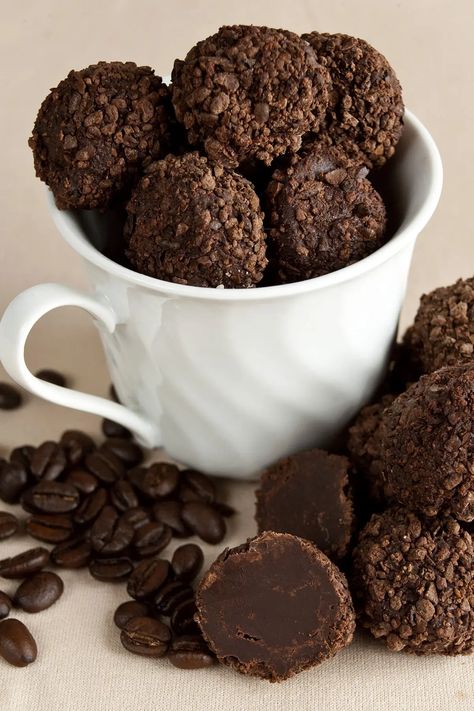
[48, 461]
[110, 535]
[91, 507]
[170, 596]
[39, 592]
[204, 521]
[106, 466]
[187, 561]
[17, 645]
[224, 509]
[148, 576]
[128, 610]
[52, 376]
[9, 525]
[123, 496]
[113, 429]
[75, 553]
[136, 476]
[169, 512]
[84, 481]
[23, 455]
[151, 538]
[24, 564]
[5, 605]
[196, 486]
[51, 497]
[111, 570]
[77, 445]
[50, 528]
[136, 518]
[146, 636]
[160, 480]
[130, 453]
[182, 618]
[10, 397]
[190, 652]
[13, 481]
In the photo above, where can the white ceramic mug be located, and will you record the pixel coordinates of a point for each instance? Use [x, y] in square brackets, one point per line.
[230, 380]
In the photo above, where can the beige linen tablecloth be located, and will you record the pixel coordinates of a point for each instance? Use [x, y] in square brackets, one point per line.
[81, 664]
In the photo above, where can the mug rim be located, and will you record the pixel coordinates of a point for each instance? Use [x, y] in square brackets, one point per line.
[80, 244]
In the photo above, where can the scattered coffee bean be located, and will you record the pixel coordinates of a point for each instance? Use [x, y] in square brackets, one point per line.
[77, 445]
[51, 497]
[129, 452]
[204, 521]
[146, 636]
[10, 397]
[39, 592]
[113, 429]
[128, 610]
[5, 605]
[52, 376]
[17, 645]
[75, 553]
[111, 570]
[147, 578]
[136, 518]
[23, 455]
[24, 564]
[224, 509]
[151, 538]
[169, 512]
[50, 528]
[182, 618]
[48, 461]
[91, 507]
[110, 535]
[13, 481]
[105, 465]
[196, 486]
[160, 480]
[9, 525]
[190, 652]
[170, 595]
[85, 482]
[187, 561]
[123, 496]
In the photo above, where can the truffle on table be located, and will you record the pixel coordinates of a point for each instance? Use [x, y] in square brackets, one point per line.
[323, 214]
[249, 92]
[194, 222]
[413, 583]
[308, 495]
[97, 129]
[274, 606]
[365, 114]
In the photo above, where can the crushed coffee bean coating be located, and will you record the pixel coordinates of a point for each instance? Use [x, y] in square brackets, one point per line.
[365, 114]
[249, 92]
[413, 581]
[427, 444]
[323, 215]
[443, 331]
[97, 129]
[197, 223]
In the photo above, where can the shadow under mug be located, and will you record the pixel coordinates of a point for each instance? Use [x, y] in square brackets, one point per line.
[229, 380]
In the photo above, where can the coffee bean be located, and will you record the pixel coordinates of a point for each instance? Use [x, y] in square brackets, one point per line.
[113, 429]
[17, 645]
[52, 376]
[187, 561]
[23, 455]
[75, 553]
[5, 605]
[136, 476]
[85, 482]
[182, 618]
[48, 461]
[9, 525]
[204, 521]
[146, 636]
[170, 596]
[169, 512]
[51, 497]
[13, 481]
[27, 563]
[110, 535]
[123, 496]
[77, 445]
[50, 528]
[160, 480]
[128, 610]
[151, 538]
[136, 518]
[127, 451]
[111, 570]
[196, 486]
[91, 507]
[148, 576]
[10, 397]
[39, 592]
[190, 652]
[224, 509]
[106, 466]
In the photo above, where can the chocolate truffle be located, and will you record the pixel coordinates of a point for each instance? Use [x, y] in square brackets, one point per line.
[308, 495]
[194, 222]
[365, 114]
[443, 331]
[274, 606]
[249, 92]
[323, 215]
[427, 444]
[413, 582]
[97, 129]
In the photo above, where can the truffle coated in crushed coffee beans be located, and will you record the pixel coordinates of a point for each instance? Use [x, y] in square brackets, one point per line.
[249, 92]
[413, 582]
[193, 222]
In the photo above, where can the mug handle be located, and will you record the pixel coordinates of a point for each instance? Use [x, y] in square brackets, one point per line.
[18, 320]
